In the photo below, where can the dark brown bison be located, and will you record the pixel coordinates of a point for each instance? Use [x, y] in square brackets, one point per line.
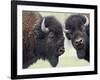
[77, 30]
[42, 39]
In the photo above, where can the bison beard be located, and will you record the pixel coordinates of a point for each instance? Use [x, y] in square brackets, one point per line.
[77, 30]
[42, 39]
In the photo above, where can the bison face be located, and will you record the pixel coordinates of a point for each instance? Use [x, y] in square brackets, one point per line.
[50, 40]
[54, 47]
[75, 27]
[79, 41]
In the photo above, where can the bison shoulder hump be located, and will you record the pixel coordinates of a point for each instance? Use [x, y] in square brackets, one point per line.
[29, 21]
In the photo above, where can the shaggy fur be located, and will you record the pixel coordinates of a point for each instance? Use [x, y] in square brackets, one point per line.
[38, 44]
[77, 30]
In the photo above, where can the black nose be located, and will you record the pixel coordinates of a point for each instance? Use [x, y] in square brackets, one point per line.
[61, 50]
[79, 41]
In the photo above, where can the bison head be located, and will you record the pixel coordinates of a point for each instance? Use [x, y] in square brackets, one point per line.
[75, 29]
[50, 40]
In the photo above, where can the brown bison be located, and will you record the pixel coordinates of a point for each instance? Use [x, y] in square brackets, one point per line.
[42, 39]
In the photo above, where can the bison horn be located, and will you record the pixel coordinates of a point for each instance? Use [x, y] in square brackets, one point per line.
[43, 28]
[65, 30]
[87, 20]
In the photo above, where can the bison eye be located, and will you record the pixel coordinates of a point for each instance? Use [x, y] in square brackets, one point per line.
[83, 28]
[51, 35]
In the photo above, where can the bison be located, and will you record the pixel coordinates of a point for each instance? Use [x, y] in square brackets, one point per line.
[42, 39]
[77, 30]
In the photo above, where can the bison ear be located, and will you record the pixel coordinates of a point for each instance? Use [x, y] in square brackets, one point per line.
[51, 35]
[68, 35]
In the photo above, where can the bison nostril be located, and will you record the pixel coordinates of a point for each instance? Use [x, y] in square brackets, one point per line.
[76, 42]
[79, 41]
[61, 50]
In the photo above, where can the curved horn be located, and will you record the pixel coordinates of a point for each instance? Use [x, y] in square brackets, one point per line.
[65, 30]
[87, 20]
[43, 28]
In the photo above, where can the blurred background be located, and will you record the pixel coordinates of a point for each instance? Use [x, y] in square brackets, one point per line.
[69, 58]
